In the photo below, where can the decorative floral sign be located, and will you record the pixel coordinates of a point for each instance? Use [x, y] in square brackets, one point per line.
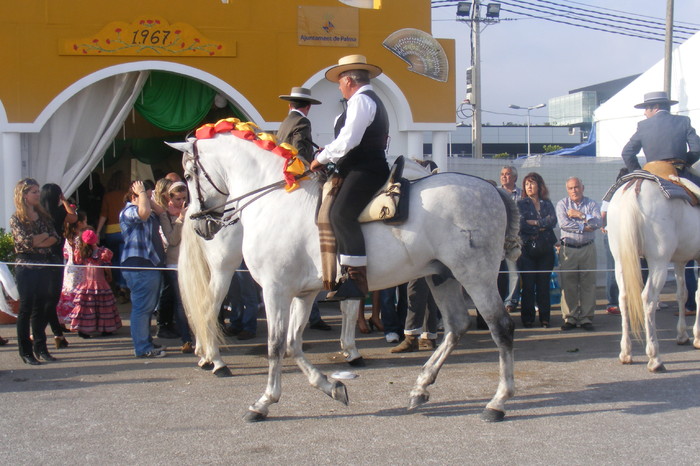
[147, 36]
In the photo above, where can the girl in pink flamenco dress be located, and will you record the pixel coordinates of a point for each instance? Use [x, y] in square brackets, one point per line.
[95, 308]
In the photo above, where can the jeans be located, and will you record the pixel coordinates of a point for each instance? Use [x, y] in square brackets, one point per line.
[33, 299]
[393, 310]
[183, 327]
[243, 296]
[691, 284]
[315, 316]
[115, 243]
[144, 286]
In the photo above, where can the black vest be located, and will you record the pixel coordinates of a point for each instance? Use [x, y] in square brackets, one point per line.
[370, 153]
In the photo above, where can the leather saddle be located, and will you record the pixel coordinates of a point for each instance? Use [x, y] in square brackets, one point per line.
[668, 170]
[390, 203]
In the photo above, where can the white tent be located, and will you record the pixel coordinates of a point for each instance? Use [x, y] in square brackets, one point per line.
[616, 120]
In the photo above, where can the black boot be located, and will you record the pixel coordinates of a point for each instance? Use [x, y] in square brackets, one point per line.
[353, 286]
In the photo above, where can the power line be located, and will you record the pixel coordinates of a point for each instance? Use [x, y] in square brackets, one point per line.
[646, 22]
[591, 19]
[637, 36]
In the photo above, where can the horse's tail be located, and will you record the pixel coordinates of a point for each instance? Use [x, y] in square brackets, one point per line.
[194, 276]
[629, 243]
[512, 242]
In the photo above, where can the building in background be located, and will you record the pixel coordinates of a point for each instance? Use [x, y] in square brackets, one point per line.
[86, 89]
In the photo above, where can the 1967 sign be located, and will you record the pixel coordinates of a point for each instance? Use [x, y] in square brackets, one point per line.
[148, 36]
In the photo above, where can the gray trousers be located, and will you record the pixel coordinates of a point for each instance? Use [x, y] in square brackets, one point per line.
[421, 300]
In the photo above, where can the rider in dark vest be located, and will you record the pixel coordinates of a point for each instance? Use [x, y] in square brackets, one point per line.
[359, 152]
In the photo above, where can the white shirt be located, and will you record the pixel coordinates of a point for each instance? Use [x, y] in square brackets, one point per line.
[360, 114]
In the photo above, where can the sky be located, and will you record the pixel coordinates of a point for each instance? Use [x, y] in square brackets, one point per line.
[526, 61]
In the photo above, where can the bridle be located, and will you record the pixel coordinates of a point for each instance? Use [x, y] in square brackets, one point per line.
[213, 218]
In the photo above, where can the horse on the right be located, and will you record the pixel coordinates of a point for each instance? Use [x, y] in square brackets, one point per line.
[642, 222]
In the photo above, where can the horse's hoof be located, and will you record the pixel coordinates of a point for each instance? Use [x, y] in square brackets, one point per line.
[223, 371]
[254, 416]
[696, 343]
[417, 400]
[492, 415]
[626, 359]
[358, 362]
[207, 366]
[340, 393]
[657, 369]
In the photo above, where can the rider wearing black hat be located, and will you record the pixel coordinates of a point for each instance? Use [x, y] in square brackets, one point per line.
[662, 136]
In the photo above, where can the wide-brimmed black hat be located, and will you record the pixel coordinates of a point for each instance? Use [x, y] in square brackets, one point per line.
[302, 94]
[653, 98]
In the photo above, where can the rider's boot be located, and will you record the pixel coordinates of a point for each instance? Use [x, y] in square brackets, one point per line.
[353, 287]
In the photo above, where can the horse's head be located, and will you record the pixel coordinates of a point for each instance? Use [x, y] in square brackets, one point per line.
[207, 189]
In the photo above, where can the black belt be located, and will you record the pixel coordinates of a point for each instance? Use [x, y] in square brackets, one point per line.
[577, 246]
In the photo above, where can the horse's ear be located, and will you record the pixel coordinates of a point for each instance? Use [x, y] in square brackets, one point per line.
[185, 147]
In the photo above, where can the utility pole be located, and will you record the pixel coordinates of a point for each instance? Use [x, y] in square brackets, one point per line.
[477, 147]
[474, 72]
[668, 55]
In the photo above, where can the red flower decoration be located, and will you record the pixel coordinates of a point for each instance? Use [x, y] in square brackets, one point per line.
[94, 41]
[211, 53]
[177, 31]
[196, 40]
[118, 30]
[108, 41]
[75, 46]
[219, 47]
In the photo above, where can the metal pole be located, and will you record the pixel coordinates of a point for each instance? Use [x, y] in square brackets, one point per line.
[476, 84]
[669, 47]
[528, 132]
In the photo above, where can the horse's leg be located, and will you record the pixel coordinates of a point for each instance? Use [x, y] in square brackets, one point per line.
[450, 300]
[681, 297]
[650, 298]
[350, 310]
[207, 347]
[487, 299]
[300, 310]
[625, 340]
[277, 306]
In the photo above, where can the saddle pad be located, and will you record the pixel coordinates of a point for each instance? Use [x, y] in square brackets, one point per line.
[670, 190]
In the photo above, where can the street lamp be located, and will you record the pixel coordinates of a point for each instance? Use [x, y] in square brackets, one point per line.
[518, 107]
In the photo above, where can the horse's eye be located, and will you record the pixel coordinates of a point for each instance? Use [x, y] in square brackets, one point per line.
[188, 177]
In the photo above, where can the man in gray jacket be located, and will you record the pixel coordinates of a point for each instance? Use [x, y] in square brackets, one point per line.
[663, 136]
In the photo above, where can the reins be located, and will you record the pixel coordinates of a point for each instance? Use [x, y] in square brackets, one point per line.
[210, 213]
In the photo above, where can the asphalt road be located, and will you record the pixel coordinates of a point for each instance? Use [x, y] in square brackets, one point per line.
[574, 404]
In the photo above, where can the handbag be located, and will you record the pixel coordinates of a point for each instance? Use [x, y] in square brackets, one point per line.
[537, 246]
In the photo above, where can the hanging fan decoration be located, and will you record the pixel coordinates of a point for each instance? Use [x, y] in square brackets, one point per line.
[373, 4]
[421, 51]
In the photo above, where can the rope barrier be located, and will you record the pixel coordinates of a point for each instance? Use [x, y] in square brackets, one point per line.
[121, 267]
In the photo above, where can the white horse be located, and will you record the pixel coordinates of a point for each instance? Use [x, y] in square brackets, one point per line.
[646, 224]
[456, 232]
[222, 257]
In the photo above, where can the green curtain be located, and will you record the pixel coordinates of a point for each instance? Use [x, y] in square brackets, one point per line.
[174, 102]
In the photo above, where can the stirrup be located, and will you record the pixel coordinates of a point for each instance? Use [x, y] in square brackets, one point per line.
[346, 290]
